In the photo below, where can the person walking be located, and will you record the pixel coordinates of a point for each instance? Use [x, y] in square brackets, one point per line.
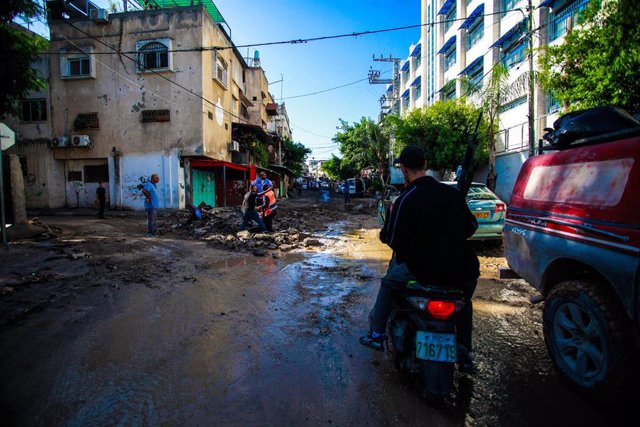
[269, 208]
[345, 189]
[249, 209]
[101, 198]
[151, 203]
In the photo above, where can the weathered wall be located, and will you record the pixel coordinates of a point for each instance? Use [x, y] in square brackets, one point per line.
[81, 193]
[217, 118]
[44, 176]
[137, 170]
[119, 91]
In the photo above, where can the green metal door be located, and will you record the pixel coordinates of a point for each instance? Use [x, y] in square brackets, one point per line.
[204, 187]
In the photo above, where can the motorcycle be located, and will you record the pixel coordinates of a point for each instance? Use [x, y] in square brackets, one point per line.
[422, 335]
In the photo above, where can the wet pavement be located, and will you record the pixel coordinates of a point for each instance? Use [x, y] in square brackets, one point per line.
[202, 337]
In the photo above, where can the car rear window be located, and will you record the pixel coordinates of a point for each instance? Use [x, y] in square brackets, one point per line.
[480, 193]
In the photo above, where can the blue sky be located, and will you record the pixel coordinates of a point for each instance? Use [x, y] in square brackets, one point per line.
[321, 65]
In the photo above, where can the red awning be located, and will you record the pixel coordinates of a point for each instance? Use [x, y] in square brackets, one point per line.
[209, 163]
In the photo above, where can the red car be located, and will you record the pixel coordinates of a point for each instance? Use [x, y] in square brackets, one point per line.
[573, 232]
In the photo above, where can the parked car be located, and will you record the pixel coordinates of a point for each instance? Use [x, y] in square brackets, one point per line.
[483, 203]
[573, 232]
[324, 185]
[488, 209]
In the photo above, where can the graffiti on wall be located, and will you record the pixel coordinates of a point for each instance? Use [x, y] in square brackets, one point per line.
[133, 184]
[31, 190]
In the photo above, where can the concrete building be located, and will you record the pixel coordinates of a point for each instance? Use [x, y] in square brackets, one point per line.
[143, 92]
[467, 38]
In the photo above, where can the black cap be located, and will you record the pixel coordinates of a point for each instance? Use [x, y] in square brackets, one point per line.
[412, 157]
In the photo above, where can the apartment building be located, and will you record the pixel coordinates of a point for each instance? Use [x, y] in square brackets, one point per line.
[156, 89]
[467, 38]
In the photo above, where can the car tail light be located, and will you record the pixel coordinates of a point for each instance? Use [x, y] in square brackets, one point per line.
[441, 309]
[500, 207]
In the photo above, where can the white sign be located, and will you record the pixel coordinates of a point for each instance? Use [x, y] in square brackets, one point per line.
[7, 137]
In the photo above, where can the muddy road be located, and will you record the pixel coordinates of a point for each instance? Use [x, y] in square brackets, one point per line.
[101, 326]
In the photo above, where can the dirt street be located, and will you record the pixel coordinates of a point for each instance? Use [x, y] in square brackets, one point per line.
[102, 326]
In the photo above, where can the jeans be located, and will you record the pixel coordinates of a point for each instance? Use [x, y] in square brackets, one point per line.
[252, 215]
[396, 278]
[152, 215]
[268, 221]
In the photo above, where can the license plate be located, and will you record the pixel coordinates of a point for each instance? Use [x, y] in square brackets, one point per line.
[436, 347]
[481, 215]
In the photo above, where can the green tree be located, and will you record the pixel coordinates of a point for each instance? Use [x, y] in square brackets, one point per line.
[338, 169]
[18, 49]
[442, 130]
[364, 145]
[294, 155]
[599, 62]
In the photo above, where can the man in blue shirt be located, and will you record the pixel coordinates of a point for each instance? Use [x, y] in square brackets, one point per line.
[151, 203]
[260, 182]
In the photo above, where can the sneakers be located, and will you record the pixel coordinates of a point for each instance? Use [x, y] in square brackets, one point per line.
[150, 235]
[376, 344]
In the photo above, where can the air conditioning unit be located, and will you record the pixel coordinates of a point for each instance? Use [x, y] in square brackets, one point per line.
[59, 142]
[81, 141]
[234, 146]
[99, 15]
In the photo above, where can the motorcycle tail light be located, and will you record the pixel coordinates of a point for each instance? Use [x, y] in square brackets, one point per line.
[500, 207]
[441, 309]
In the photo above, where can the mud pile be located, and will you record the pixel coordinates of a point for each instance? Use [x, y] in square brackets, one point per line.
[295, 227]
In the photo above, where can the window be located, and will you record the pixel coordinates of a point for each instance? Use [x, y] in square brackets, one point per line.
[553, 104]
[450, 57]
[244, 112]
[147, 116]
[475, 32]
[561, 21]
[450, 18]
[153, 56]
[96, 173]
[86, 121]
[76, 64]
[475, 73]
[220, 68]
[417, 91]
[448, 91]
[514, 54]
[512, 104]
[417, 62]
[508, 4]
[33, 110]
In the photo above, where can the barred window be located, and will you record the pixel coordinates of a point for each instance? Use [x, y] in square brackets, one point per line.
[147, 116]
[86, 121]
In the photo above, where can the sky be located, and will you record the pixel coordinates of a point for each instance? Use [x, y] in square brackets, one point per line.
[320, 65]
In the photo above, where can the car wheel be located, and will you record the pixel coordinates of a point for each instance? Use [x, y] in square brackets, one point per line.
[588, 337]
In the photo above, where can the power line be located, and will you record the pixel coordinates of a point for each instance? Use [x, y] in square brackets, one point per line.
[158, 74]
[300, 41]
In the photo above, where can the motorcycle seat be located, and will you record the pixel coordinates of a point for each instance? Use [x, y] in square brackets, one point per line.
[435, 290]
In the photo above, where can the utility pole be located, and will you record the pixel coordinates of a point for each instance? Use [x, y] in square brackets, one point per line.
[374, 79]
[532, 137]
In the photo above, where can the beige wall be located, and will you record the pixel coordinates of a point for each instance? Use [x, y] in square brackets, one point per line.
[119, 91]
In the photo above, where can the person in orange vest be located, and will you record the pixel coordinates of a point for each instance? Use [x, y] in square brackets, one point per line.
[269, 208]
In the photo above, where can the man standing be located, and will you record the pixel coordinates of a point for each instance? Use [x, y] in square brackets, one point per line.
[151, 203]
[101, 197]
[345, 189]
[427, 246]
[269, 208]
[249, 209]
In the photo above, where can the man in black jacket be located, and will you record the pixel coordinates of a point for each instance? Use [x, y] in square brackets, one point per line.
[427, 228]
